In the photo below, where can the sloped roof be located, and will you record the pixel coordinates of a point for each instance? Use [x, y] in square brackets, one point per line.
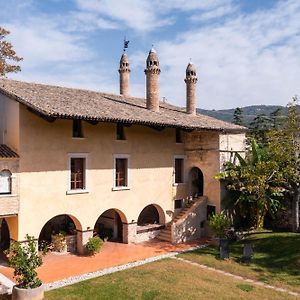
[70, 103]
[6, 152]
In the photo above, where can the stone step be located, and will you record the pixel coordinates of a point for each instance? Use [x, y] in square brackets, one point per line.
[165, 234]
[166, 239]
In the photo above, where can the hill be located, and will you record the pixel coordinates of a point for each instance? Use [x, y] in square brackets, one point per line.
[249, 112]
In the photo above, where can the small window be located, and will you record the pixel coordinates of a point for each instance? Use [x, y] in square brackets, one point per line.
[178, 204]
[211, 210]
[78, 173]
[77, 129]
[120, 132]
[178, 170]
[121, 172]
[5, 182]
[178, 136]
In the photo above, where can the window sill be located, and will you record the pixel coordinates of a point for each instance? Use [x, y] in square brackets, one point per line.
[7, 195]
[121, 188]
[179, 184]
[78, 138]
[73, 192]
[120, 140]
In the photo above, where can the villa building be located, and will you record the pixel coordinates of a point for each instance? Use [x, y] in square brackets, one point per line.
[88, 163]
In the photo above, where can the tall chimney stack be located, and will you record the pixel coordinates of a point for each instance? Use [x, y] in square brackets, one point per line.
[191, 81]
[152, 72]
[124, 75]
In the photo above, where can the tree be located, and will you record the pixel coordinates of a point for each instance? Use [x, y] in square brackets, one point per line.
[277, 118]
[7, 55]
[259, 127]
[284, 147]
[238, 118]
[256, 184]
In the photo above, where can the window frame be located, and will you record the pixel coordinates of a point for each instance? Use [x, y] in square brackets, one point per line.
[182, 171]
[85, 173]
[121, 156]
[9, 179]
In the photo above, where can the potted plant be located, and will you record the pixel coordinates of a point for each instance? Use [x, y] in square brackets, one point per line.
[24, 259]
[220, 223]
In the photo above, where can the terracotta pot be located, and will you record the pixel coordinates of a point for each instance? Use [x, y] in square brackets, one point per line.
[28, 294]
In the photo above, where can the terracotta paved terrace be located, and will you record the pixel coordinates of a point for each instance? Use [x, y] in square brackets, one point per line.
[59, 266]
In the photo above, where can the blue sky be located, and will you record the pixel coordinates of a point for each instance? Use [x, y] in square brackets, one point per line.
[246, 52]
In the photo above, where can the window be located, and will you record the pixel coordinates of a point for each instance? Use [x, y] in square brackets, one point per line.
[178, 136]
[178, 204]
[211, 210]
[77, 173]
[120, 132]
[179, 170]
[77, 129]
[5, 182]
[121, 172]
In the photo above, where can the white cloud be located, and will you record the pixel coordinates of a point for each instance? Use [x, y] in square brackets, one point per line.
[245, 60]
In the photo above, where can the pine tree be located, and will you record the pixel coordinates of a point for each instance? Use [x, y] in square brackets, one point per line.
[7, 55]
[238, 118]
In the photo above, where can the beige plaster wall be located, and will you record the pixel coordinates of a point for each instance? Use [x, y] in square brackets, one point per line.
[9, 122]
[44, 171]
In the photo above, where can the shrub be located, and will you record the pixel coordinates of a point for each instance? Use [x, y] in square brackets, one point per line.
[94, 245]
[220, 224]
[24, 259]
[59, 242]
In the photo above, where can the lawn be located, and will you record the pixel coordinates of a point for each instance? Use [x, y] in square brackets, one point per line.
[276, 259]
[165, 279]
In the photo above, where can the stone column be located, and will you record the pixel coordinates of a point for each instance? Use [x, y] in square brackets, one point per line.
[82, 239]
[129, 233]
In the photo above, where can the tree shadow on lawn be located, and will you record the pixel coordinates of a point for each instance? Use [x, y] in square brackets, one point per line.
[274, 253]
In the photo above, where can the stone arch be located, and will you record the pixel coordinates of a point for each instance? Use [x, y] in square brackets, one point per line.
[196, 182]
[4, 235]
[61, 223]
[110, 225]
[151, 214]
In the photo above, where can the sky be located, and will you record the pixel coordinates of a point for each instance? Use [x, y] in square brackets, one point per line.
[246, 51]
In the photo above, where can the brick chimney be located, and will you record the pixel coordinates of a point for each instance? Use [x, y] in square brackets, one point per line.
[191, 81]
[124, 75]
[152, 72]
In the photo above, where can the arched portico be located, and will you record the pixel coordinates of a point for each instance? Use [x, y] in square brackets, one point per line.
[67, 224]
[4, 235]
[110, 225]
[151, 214]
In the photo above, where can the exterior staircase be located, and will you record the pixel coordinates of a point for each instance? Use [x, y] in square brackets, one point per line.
[166, 233]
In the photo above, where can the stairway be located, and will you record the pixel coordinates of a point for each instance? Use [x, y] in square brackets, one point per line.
[166, 234]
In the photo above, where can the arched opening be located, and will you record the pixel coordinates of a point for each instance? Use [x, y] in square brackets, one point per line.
[4, 235]
[64, 224]
[151, 214]
[109, 225]
[5, 182]
[196, 180]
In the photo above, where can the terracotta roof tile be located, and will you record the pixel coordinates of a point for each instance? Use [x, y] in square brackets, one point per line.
[6, 152]
[63, 102]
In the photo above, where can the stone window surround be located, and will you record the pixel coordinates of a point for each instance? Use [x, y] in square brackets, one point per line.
[121, 188]
[183, 170]
[78, 191]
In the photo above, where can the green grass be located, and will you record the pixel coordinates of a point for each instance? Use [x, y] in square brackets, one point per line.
[276, 259]
[166, 279]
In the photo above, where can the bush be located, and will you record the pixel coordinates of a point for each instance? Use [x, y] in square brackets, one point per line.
[24, 259]
[59, 242]
[94, 245]
[220, 224]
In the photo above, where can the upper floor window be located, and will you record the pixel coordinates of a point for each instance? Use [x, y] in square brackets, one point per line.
[120, 134]
[5, 182]
[78, 166]
[179, 170]
[121, 172]
[77, 129]
[178, 135]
